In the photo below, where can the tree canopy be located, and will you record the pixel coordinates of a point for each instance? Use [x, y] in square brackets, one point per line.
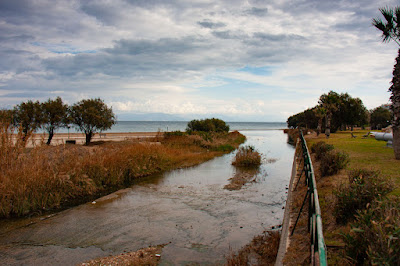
[380, 118]
[27, 116]
[337, 110]
[91, 116]
[208, 125]
[54, 116]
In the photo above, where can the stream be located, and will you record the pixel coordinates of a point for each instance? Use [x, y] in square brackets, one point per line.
[187, 209]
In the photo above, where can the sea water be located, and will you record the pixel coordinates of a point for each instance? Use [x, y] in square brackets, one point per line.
[168, 126]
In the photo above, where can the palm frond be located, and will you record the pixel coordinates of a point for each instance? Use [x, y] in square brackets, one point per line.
[391, 28]
[379, 24]
[397, 21]
[388, 14]
[397, 15]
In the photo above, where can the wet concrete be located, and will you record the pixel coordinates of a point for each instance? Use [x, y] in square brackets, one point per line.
[187, 209]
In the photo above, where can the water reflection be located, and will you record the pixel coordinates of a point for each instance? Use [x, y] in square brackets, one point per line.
[242, 176]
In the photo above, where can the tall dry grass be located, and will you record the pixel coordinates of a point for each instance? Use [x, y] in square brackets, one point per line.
[247, 156]
[47, 177]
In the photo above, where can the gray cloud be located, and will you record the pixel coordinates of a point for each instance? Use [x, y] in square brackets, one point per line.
[256, 11]
[211, 25]
[230, 35]
[278, 37]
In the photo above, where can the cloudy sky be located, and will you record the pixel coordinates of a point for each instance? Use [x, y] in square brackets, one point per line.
[255, 60]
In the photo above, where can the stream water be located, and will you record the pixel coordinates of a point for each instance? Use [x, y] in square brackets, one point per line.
[187, 209]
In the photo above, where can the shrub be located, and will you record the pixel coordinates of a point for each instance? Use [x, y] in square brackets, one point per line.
[364, 187]
[332, 162]
[320, 148]
[247, 156]
[173, 133]
[224, 148]
[375, 235]
[207, 125]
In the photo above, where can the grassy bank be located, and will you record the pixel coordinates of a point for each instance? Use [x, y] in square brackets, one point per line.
[365, 153]
[47, 178]
[358, 238]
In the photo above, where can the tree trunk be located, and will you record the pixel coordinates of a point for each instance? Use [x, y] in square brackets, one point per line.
[24, 135]
[51, 134]
[396, 142]
[395, 98]
[89, 137]
[328, 125]
[319, 126]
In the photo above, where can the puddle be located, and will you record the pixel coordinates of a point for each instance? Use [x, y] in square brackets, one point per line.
[187, 208]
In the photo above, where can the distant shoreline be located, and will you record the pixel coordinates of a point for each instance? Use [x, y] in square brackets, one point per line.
[168, 126]
[60, 138]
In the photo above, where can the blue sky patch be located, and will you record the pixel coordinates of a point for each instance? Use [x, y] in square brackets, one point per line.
[259, 71]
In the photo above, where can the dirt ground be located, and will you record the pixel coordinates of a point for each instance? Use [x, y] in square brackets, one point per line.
[145, 256]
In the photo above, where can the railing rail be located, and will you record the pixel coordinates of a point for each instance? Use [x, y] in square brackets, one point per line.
[318, 248]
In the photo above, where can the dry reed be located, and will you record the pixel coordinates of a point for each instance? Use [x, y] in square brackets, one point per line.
[46, 177]
[247, 156]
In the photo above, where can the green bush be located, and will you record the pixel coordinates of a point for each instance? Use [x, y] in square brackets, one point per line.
[207, 125]
[332, 162]
[320, 148]
[225, 148]
[247, 156]
[364, 187]
[375, 235]
[173, 133]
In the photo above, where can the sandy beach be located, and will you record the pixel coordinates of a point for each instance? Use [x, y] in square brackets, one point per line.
[61, 138]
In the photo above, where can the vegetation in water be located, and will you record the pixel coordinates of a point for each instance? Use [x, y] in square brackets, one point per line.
[247, 156]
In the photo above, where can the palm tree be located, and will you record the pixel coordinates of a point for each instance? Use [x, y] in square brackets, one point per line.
[330, 103]
[391, 31]
[320, 113]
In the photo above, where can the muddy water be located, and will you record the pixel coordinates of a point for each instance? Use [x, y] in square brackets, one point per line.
[187, 209]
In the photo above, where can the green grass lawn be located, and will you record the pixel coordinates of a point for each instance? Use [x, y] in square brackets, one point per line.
[366, 153]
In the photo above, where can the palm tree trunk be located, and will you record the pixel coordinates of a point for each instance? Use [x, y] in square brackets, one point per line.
[395, 98]
[328, 125]
[319, 126]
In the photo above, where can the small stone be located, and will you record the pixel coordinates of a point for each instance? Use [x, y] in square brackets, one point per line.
[93, 202]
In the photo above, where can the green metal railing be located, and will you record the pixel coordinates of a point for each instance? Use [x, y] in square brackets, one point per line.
[318, 248]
